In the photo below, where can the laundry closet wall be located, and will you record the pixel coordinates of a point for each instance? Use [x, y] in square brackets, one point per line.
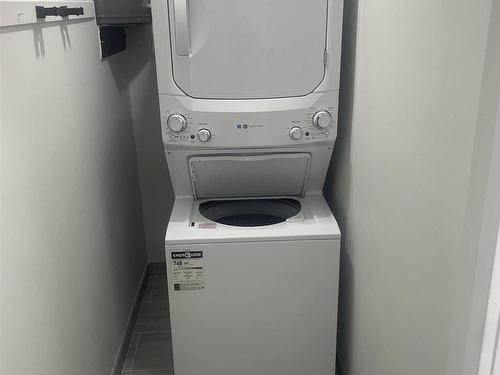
[419, 99]
[72, 241]
[156, 189]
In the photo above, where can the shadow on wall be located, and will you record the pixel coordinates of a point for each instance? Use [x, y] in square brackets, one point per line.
[38, 28]
[139, 57]
[339, 177]
[156, 189]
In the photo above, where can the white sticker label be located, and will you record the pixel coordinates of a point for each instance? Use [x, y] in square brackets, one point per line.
[187, 270]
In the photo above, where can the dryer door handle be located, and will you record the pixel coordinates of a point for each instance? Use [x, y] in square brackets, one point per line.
[181, 24]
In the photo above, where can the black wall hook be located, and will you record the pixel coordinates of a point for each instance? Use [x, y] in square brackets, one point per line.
[62, 11]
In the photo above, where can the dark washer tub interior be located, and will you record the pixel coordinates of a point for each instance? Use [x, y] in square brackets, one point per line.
[250, 212]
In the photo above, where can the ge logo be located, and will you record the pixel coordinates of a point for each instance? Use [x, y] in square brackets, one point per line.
[187, 254]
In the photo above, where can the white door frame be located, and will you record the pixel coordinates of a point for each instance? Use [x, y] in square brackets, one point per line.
[490, 354]
[489, 359]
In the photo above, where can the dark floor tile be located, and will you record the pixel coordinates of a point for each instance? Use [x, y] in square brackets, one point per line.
[154, 351]
[148, 288]
[157, 269]
[149, 372]
[129, 359]
[153, 316]
[159, 288]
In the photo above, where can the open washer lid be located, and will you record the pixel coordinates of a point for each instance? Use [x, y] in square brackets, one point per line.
[224, 176]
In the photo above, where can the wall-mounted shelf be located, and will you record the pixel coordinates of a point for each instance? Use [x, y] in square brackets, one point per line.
[24, 12]
[113, 17]
[122, 12]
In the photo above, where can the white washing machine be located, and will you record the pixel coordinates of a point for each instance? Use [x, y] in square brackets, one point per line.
[252, 280]
[248, 96]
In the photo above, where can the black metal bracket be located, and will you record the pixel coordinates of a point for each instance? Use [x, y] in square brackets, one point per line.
[113, 40]
[62, 11]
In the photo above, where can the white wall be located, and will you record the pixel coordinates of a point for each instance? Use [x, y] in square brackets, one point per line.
[72, 231]
[407, 182]
[156, 188]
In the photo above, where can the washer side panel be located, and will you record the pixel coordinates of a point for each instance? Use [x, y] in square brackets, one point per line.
[264, 308]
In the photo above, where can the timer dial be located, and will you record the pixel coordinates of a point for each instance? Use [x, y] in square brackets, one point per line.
[322, 119]
[176, 123]
[204, 135]
[296, 133]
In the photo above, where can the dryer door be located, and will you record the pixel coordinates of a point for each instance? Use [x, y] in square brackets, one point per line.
[241, 49]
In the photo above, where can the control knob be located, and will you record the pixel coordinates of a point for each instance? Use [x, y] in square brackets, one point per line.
[296, 133]
[176, 123]
[204, 135]
[322, 119]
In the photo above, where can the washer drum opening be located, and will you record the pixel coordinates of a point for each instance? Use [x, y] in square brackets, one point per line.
[250, 212]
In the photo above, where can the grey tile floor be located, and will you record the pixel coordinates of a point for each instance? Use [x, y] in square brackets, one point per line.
[150, 350]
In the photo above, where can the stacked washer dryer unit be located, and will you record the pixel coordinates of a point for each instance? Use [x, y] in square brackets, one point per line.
[248, 97]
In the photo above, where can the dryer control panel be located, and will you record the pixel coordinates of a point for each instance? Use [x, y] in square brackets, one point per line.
[186, 122]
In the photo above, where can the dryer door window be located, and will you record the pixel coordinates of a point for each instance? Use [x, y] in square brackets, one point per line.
[241, 49]
[250, 212]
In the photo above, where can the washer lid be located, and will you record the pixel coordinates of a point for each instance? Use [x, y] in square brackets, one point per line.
[249, 175]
